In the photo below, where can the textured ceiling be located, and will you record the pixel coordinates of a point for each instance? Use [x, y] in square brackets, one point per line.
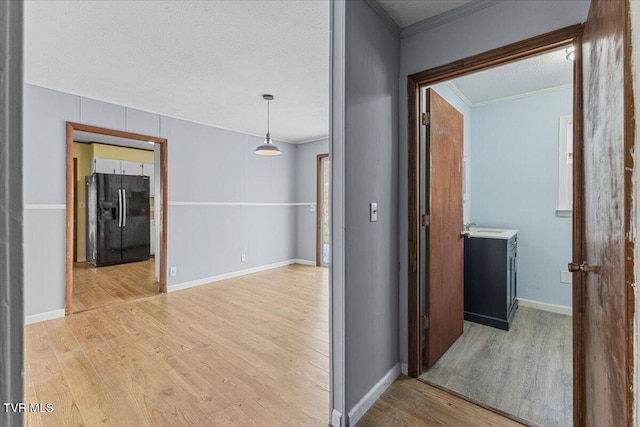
[529, 75]
[408, 12]
[207, 62]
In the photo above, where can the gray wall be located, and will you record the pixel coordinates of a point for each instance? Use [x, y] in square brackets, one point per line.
[515, 185]
[497, 25]
[306, 170]
[207, 166]
[371, 175]
[11, 256]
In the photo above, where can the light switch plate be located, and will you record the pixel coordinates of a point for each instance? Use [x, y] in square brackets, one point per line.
[566, 277]
[173, 271]
[373, 212]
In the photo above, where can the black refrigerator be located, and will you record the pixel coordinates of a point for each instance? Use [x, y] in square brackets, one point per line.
[118, 221]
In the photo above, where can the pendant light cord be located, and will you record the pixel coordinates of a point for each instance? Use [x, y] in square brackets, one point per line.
[268, 116]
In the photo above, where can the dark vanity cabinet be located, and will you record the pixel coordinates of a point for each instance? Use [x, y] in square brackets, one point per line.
[490, 280]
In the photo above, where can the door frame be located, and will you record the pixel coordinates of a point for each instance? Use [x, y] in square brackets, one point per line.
[70, 235]
[75, 208]
[319, 208]
[484, 61]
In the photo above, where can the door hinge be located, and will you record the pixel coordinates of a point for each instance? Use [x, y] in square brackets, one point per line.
[424, 220]
[426, 119]
[425, 322]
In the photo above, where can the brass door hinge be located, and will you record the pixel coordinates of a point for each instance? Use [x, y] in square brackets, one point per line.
[425, 322]
[426, 119]
[424, 220]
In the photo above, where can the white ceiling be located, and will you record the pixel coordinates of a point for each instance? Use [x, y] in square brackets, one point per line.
[530, 75]
[408, 12]
[81, 136]
[208, 62]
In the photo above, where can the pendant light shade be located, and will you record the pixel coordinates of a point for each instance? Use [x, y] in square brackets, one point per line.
[267, 148]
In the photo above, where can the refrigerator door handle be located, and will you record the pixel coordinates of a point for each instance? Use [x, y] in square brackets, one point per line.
[119, 208]
[124, 209]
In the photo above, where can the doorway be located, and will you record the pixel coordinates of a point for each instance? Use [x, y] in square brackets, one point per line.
[116, 217]
[424, 282]
[323, 209]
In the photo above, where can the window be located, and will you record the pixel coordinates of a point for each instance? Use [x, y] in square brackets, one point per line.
[565, 167]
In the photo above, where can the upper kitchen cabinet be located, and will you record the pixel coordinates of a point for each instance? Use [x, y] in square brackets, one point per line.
[148, 170]
[99, 165]
[131, 168]
[124, 167]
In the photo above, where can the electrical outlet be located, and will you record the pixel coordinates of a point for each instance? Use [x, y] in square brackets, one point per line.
[243, 258]
[173, 271]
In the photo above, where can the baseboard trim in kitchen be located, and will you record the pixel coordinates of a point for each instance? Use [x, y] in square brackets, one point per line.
[225, 276]
[41, 317]
[304, 261]
[553, 308]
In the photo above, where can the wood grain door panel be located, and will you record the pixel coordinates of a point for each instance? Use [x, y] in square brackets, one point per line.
[445, 250]
[608, 240]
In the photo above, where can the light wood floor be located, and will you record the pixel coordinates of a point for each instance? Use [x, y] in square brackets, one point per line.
[526, 372]
[409, 402]
[252, 350]
[102, 286]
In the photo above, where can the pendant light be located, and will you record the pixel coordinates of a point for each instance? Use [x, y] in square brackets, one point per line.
[267, 148]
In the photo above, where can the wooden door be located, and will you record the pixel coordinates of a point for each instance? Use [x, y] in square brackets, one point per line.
[444, 286]
[607, 284]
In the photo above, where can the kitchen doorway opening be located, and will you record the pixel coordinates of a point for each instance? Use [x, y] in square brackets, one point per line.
[116, 226]
[323, 209]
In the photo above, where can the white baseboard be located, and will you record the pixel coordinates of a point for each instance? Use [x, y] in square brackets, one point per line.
[374, 394]
[553, 308]
[404, 368]
[225, 276]
[304, 261]
[41, 317]
[336, 418]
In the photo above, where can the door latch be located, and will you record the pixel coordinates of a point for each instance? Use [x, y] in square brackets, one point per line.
[574, 267]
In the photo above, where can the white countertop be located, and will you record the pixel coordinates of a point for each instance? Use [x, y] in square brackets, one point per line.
[492, 233]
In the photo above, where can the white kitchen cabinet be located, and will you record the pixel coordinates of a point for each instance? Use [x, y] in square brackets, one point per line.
[148, 170]
[99, 165]
[124, 167]
[131, 168]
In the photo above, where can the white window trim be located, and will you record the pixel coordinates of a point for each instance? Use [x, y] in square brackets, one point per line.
[565, 181]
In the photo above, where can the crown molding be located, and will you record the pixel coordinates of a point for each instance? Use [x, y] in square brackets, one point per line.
[470, 104]
[448, 16]
[388, 20]
[457, 91]
[522, 95]
[322, 138]
[161, 115]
